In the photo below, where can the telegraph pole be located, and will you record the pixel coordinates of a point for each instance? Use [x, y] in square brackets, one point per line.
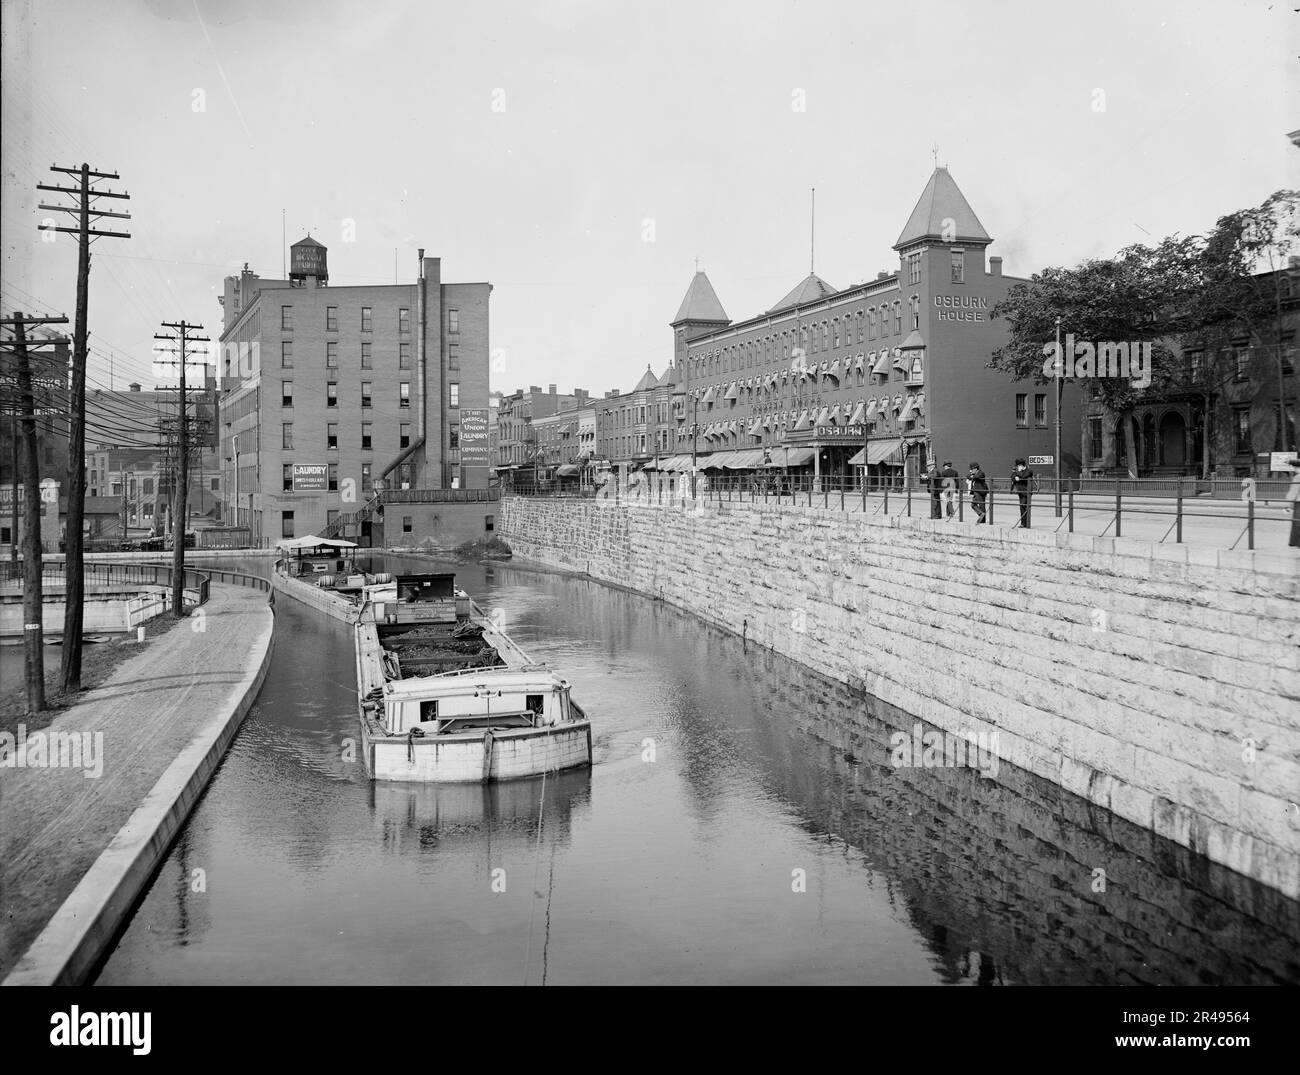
[33, 593]
[180, 339]
[82, 210]
[1060, 384]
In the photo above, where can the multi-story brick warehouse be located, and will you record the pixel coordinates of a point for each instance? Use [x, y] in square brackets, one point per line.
[899, 363]
[332, 393]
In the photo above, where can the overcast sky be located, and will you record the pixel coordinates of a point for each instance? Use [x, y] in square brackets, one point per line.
[580, 154]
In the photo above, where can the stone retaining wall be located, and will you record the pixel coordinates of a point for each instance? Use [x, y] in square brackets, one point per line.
[1159, 681]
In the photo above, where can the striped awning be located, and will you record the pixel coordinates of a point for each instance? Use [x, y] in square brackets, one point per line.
[733, 392]
[882, 363]
[857, 414]
[709, 396]
[792, 457]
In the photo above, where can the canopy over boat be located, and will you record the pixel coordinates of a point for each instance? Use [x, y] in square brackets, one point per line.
[311, 541]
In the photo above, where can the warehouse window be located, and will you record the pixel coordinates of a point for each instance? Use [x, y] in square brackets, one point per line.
[365, 319]
[404, 356]
[332, 394]
[286, 354]
[331, 355]
[286, 317]
[365, 434]
[365, 356]
[404, 394]
[403, 319]
[404, 435]
[1040, 410]
[1022, 409]
[454, 393]
[286, 393]
[365, 393]
[453, 321]
[286, 478]
[958, 266]
[332, 435]
[286, 436]
[332, 479]
[331, 319]
[286, 524]
[406, 524]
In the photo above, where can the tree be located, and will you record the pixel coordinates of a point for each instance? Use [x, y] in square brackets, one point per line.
[1243, 282]
[1142, 294]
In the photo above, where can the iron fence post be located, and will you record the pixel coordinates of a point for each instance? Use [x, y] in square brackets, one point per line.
[1071, 523]
[1250, 524]
[1178, 515]
[909, 499]
[1119, 506]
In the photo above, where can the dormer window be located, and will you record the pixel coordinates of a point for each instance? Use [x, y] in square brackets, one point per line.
[958, 266]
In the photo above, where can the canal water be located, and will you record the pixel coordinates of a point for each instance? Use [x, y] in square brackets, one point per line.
[742, 823]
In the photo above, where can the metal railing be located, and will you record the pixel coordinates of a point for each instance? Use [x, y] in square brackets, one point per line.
[1108, 505]
[144, 574]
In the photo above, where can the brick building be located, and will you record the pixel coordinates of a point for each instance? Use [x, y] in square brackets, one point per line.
[334, 394]
[517, 462]
[890, 373]
[1223, 419]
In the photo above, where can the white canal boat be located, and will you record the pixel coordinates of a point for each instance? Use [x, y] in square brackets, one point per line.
[450, 698]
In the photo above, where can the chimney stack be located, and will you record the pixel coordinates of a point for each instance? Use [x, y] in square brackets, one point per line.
[995, 266]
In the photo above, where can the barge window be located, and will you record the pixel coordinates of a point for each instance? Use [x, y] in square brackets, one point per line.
[533, 702]
[429, 710]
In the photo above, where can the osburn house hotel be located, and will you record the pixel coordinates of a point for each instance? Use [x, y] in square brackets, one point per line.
[886, 374]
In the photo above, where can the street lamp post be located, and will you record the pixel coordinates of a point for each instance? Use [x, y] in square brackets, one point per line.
[695, 438]
[1060, 370]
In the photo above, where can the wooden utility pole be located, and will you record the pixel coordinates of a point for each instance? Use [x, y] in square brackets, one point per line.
[180, 340]
[70, 670]
[33, 593]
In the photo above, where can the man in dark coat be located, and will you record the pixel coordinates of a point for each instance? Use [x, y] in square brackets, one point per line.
[1022, 484]
[979, 491]
[934, 483]
[949, 479]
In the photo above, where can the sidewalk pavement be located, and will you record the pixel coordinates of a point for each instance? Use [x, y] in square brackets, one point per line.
[54, 821]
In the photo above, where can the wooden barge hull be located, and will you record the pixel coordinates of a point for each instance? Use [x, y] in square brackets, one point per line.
[475, 757]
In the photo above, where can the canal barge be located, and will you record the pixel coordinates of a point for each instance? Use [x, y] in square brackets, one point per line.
[323, 573]
[448, 697]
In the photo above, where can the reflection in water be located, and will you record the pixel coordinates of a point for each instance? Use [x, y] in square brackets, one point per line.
[742, 823]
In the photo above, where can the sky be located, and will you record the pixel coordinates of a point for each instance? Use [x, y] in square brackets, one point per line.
[580, 156]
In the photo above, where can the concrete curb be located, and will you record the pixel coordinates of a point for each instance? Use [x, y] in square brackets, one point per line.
[84, 927]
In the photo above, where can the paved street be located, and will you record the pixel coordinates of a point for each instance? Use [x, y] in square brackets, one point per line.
[56, 821]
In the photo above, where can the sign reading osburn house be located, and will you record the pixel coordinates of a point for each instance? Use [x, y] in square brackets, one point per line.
[961, 307]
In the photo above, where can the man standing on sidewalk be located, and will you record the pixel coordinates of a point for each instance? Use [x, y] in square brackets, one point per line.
[1022, 484]
[934, 483]
[949, 482]
[979, 491]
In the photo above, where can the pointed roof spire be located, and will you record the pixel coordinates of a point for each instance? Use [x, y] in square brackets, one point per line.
[811, 288]
[942, 213]
[701, 303]
[648, 380]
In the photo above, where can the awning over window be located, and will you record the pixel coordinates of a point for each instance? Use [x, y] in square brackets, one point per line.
[882, 363]
[802, 422]
[709, 396]
[793, 457]
[824, 417]
[909, 409]
[745, 460]
[857, 414]
[733, 392]
[568, 470]
[756, 427]
[879, 451]
[833, 370]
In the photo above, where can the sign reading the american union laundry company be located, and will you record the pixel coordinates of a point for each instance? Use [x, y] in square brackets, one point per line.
[474, 437]
[309, 477]
[841, 432]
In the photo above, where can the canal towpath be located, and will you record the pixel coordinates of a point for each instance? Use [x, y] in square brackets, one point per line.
[79, 841]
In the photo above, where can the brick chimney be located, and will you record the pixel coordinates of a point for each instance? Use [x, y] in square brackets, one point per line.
[995, 266]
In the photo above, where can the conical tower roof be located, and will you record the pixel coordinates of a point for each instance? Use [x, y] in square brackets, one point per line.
[941, 201]
[648, 380]
[811, 288]
[701, 303]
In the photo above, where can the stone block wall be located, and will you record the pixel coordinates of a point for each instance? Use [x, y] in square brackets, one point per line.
[1159, 681]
